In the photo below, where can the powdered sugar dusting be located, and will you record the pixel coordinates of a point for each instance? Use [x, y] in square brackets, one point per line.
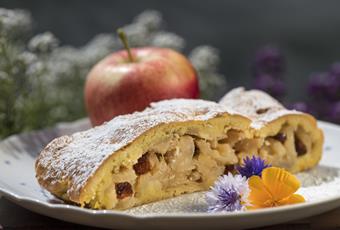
[319, 183]
[257, 105]
[73, 159]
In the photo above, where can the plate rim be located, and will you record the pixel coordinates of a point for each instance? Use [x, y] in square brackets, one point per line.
[17, 199]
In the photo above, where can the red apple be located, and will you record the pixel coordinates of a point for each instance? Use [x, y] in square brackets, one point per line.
[120, 85]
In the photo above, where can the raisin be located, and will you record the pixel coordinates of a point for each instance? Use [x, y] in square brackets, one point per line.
[229, 168]
[123, 189]
[159, 156]
[300, 147]
[196, 151]
[142, 166]
[261, 111]
[280, 137]
[223, 141]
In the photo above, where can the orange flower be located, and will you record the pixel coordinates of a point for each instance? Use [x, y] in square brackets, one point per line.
[276, 187]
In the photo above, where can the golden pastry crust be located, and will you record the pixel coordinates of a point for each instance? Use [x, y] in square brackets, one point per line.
[256, 105]
[269, 118]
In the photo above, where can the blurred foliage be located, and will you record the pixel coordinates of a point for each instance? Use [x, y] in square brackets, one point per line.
[41, 82]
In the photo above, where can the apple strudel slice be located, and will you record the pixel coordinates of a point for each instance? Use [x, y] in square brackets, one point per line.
[285, 138]
[174, 147]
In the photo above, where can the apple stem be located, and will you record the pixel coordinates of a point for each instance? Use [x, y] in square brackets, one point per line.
[123, 38]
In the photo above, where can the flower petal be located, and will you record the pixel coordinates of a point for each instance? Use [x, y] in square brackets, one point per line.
[280, 183]
[252, 166]
[293, 199]
[259, 195]
[229, 194]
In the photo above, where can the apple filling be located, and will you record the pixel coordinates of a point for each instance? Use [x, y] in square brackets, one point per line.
[192, 161]
[288, 144]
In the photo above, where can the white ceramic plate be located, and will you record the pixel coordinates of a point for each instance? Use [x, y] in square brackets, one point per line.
[321, 188]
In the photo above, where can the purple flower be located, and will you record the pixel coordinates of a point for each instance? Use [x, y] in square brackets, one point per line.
[228, 194]
[269, 60]
[334, 112]
[333, 87]
[268, 69]
[274, 87]
[300, 106]
[252, 166]
[326, 86]
[317, 85]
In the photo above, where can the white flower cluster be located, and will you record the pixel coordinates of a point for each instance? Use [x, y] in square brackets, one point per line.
[206, 60]
[43, 43]
[15, 23]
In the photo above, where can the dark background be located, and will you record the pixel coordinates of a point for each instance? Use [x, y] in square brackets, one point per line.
[307, 31]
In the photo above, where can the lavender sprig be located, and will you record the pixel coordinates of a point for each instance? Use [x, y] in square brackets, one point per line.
[334, 112]
[268, 70]
[267, 83]
[300, 106]
[269, 60]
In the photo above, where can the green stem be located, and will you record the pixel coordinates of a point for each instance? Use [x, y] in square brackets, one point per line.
[123, 38]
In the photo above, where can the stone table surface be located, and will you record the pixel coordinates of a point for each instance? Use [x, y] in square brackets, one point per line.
[13, 216]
